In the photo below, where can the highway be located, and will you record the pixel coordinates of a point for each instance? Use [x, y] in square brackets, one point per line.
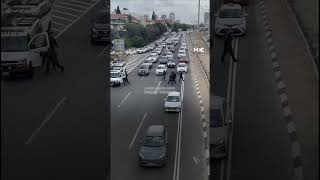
[261, 147]
[56, 126]
[135, 107]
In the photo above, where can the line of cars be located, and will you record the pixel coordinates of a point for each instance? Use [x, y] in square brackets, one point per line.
[154, 146]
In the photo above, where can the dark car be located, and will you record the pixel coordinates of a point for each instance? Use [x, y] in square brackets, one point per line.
[144, 70]
[218, 128]
[153, 151]
[100, 30]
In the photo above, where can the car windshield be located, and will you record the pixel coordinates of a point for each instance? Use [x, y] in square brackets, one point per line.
[170, 61]
[153, 141]
[182, 65]
[114, 75]
[161, 67]
[14, 44]
[144, 67]
[147, 61]
[173, 98]
[115, 68]
[230, 13]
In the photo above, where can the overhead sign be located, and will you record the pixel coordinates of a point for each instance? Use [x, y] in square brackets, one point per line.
[118, 45]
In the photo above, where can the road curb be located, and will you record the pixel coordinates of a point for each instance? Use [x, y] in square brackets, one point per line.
[281, 89]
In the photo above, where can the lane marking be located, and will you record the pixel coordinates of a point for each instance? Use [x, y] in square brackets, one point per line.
[229, 158]
[59, 24]
[85, 3]
[124, 99]
[195, 160]
[139, 127]
[103, 50]
[62, 18]
[66, 13]
[71, 9]
[47, 118]
[80, 16]
[156, 91]
[72, 5]
[176, 170]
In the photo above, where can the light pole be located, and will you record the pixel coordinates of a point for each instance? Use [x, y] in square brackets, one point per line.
[198, 14]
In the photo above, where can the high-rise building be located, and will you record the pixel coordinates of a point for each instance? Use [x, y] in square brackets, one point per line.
[206, 19]
[163, 17]
[172, 17]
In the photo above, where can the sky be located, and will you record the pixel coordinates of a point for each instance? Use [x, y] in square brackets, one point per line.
[185, 10]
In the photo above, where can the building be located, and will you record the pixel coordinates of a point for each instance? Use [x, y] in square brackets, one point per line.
[125, 11]
[206, 19]
[118, 21]
[172, 17]
[163, 17]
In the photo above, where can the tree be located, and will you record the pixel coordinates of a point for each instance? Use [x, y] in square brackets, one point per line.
[153, 17]
[118, 10]
[129, 18]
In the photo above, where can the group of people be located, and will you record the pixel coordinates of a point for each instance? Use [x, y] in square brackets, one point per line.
[50, 57]
[172, 77]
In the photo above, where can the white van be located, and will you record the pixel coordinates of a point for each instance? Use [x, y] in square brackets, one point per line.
[21, 44]
[40, 9]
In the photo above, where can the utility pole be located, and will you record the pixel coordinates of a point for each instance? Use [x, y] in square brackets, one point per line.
[198, 14]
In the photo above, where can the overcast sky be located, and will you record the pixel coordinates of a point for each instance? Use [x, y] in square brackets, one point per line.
[185, 10]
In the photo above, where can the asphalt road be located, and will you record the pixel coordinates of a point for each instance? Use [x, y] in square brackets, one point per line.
[261, 148]
[133, 109]
[56, 126]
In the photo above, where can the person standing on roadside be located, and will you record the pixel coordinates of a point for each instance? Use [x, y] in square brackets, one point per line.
[164, 75]
[228, 47]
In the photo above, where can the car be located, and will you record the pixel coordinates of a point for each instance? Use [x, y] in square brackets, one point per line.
[230, 17]
[163, 60]
[158, 51]
[131, 51]
[184, 60]
[241, 2]
[140, 50]
[153, 57]
[118, 68]
[163, 44]
[218, 128]
[182, 68]
[154, 148]
[147, 62]
[161, 69]
[171, 63]
[144, 70]
[169, 55]
[116, 78]
[100, 29]
[182, 53]
[119, 63]
[172, 103]
[183, 47]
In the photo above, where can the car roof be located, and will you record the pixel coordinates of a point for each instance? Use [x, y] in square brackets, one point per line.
[174, 93]
[182, 64]
[155, 130]
[161, 65]
[231, 6]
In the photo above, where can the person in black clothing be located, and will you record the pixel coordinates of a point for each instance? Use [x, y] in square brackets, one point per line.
[126, 77]
[181, 76]
[174, 77]
[228, 47]
[53, 54]
[171, 78]
[164, 75]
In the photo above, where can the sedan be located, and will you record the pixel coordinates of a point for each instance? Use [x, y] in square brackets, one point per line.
[144, 70]
[182, 68]
[161, 69]
[163, 60]
[148, 63]
[119, 63]
[173, 102]
[171, 64]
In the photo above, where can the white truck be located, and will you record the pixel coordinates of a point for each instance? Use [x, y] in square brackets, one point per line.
[22, 41]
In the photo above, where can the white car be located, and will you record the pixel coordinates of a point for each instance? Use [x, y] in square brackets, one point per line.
[171, 63]
[173, 102]
[169, 55]
[182, 53]
[116, 77]
[158, 51]
[230, 17]
[161, 69]
[131, 51]
[153, 57]
[183, 47]
[182, 68]
[147, 62]
[140, 50]
[119, 63]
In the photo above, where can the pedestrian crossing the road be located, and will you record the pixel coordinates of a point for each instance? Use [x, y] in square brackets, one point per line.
[66, 12]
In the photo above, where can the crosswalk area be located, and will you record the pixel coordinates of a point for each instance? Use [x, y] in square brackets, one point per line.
[66, 12]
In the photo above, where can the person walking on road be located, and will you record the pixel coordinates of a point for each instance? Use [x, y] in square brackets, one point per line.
[174, 77]
[170, 78]
[228, 47]
[181, 76]
[126, 77]
[164, 75]
[53, 53]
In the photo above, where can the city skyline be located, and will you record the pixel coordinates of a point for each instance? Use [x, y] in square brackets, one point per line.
[160, 7]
